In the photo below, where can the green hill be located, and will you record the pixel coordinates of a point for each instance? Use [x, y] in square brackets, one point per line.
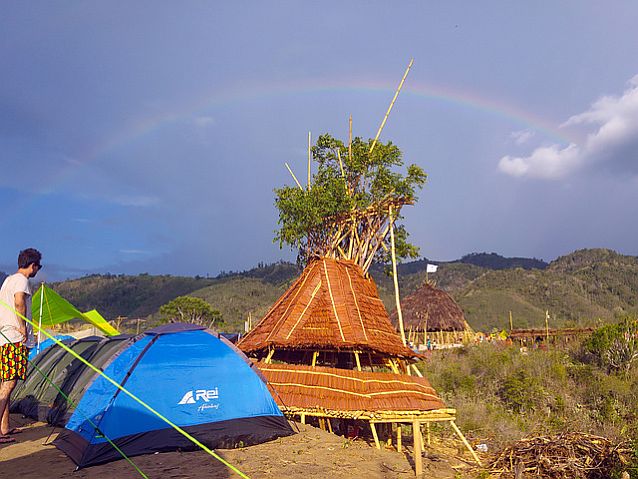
[580, 288]
[237, 297]
[131, 296]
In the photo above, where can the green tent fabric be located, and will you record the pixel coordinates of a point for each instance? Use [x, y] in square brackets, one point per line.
[56, 309]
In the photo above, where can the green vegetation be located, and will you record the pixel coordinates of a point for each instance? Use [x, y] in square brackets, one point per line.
[614, 346]
[187, 309]
[132, 296]
[237, 298]
[502, 395]
[586, 287]
[344, 183]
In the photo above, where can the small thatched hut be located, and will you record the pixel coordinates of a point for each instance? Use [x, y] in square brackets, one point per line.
[431, 313]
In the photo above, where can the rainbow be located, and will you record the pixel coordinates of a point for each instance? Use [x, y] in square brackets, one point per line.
[137, 130]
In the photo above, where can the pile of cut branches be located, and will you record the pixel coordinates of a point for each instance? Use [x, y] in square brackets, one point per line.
[570, 455]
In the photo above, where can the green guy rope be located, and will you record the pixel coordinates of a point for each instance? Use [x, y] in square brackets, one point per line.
[131, 395]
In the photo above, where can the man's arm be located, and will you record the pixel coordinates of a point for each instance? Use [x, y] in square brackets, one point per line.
[20, 301]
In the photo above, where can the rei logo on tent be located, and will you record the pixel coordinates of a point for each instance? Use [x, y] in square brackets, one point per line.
[205, 395]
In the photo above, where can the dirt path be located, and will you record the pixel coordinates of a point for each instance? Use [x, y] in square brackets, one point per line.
[311, 454]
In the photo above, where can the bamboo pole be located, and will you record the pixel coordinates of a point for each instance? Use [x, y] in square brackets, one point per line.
[309, 156]
[374, 435]
[385, 118]
[350, 140]
[399, 434]
[511, 326]
[269, 357]
[427, 431]
[547, 325]
[294, 177]
[467, 444]
[394, 276]
[418, 460]
[356, 357]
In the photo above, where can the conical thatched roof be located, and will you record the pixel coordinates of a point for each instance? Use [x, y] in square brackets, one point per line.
[332, 306]
[432, 309]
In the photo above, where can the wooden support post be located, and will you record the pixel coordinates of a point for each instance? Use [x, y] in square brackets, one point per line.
[399, 434]
[416, 370]
[393, 366]
[315, 355]
[467, 444]
[329, 425]
[422, 440]
[427, 431]
[396, 280]
[303, 418]
[374, 435]
[269, 357]
[418, 460]
[356, 357]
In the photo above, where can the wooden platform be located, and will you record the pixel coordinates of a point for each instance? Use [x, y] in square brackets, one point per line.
[377, 398]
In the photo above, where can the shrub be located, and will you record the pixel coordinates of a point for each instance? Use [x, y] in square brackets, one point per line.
[614, 346]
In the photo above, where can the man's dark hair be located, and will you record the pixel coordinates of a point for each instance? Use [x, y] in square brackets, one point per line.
[28, 256]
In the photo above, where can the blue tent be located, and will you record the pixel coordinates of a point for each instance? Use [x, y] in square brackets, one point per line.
[189, 374]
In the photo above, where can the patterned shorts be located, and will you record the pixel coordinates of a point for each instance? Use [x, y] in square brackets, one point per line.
[13, 361]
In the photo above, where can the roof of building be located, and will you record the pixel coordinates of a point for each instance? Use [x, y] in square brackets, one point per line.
[331, 306]
[431, 309]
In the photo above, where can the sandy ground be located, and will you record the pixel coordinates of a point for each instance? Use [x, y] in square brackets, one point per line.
[310, 454]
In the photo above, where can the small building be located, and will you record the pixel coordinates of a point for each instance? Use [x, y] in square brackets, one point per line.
[431, 314]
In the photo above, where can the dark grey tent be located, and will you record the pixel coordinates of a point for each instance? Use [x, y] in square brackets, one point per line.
[45, 398]
[33, 396]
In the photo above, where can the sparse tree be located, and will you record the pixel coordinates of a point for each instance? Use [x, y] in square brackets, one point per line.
[188, 309]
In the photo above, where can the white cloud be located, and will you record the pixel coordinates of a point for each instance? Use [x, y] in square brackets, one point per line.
[141, 201]
[611, 129]
[134, 251]
[204, 121]
[522, 136]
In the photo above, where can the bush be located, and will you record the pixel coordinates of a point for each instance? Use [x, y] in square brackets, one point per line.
[614, 346]
[521, 392]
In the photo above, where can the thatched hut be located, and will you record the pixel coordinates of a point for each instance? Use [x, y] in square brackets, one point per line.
[431, 313]
[331, 316]
[329, 350]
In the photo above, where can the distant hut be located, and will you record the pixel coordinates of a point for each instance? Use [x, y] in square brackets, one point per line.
[431, 313]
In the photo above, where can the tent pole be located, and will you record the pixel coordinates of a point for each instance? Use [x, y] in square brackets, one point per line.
[40, 321]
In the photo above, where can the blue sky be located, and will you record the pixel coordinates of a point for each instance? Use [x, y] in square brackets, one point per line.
[148, 136]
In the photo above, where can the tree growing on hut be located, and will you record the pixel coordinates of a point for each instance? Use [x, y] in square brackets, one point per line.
[347, 210]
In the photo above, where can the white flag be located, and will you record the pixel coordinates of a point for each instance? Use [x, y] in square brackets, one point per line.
[431, 268]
